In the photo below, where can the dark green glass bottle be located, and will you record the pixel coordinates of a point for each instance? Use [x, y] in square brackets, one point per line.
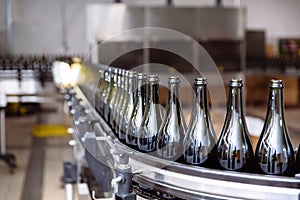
[138, 111]
[234, 146]
[152, 118]
[200, 144]
[274, 152]
[171, 133]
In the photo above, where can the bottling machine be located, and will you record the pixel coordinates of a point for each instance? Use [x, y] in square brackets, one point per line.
[107, 168]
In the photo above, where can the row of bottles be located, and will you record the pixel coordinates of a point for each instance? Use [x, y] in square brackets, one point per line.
[129, 102]
[41, 63]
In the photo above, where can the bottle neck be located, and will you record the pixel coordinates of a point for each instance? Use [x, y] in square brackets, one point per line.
[125, 84]
[154, 93]
[173, 96]
[139, 90]
[108, 79]
[112, 79]
[115, 79]
[275, 104]
[119, 81]
[200, 100]
[235, 102]
[132, 85]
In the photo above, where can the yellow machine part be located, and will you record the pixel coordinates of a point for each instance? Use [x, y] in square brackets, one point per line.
[49, 130]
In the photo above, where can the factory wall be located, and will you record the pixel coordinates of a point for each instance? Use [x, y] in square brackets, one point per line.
[2, 26]
[59, 26]
[48, 27]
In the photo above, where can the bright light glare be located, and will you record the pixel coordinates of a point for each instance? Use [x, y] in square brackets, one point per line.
[75, 69]
[61, 74]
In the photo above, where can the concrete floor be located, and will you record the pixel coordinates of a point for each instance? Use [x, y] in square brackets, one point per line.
[56, 151]
[42, 183]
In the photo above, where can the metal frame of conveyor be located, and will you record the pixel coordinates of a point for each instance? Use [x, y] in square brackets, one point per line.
[134, 174]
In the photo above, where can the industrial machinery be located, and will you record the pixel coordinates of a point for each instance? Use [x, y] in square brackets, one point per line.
[108, 168]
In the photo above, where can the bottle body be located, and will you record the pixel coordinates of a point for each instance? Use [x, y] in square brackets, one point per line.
[122, 100]
[138, 111]
[109, 94]
[297, 166]
[113, 96]
[127, 107]
[200, 138]
[101, 87]
[234, 146]
[172, 130]
[274, 152]
[152, 118]
[118, 98]
[105, 91]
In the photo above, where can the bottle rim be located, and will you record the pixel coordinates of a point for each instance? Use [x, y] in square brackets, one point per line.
[174, 79]
[236, 82]
[276, 83]
[200, 81]
[153, 78]
[131, 74]
[141, 76]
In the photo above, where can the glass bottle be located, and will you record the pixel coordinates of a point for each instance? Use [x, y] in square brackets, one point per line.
[274, 151]
[105, 91]
[234, 146]
[109, 93]
[200, 144]
[138, 112]
[128, 104]
[297, 166]
[112, 96]
[121, 101]
[172, 130]
[152, 118]
[99, 90]
[116, 99]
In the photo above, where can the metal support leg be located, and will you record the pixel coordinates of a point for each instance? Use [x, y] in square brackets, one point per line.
[2, 131]
[69, 178]
[123, 181]
[9, 159]
[69, 191]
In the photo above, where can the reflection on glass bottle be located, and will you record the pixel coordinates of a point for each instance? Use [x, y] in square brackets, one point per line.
[112, 98]
[152, 118]
[109, 94]
[127, 108]
[101, 86]
[122, 100]
[297, 166]
[105, 91]
[138, 111]
[200, 138]
[274, 151]
[234, 146]
[172, 130]
[116, 100]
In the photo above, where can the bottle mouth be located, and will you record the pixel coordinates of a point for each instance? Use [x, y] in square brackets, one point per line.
[116, 70]
[126, 73]
[276, 83]
[174, 79]
[131, 74]
[236, 83]
[120, 72]
[200, 81]
[141, 76]
[110, 69]
[153, 78]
